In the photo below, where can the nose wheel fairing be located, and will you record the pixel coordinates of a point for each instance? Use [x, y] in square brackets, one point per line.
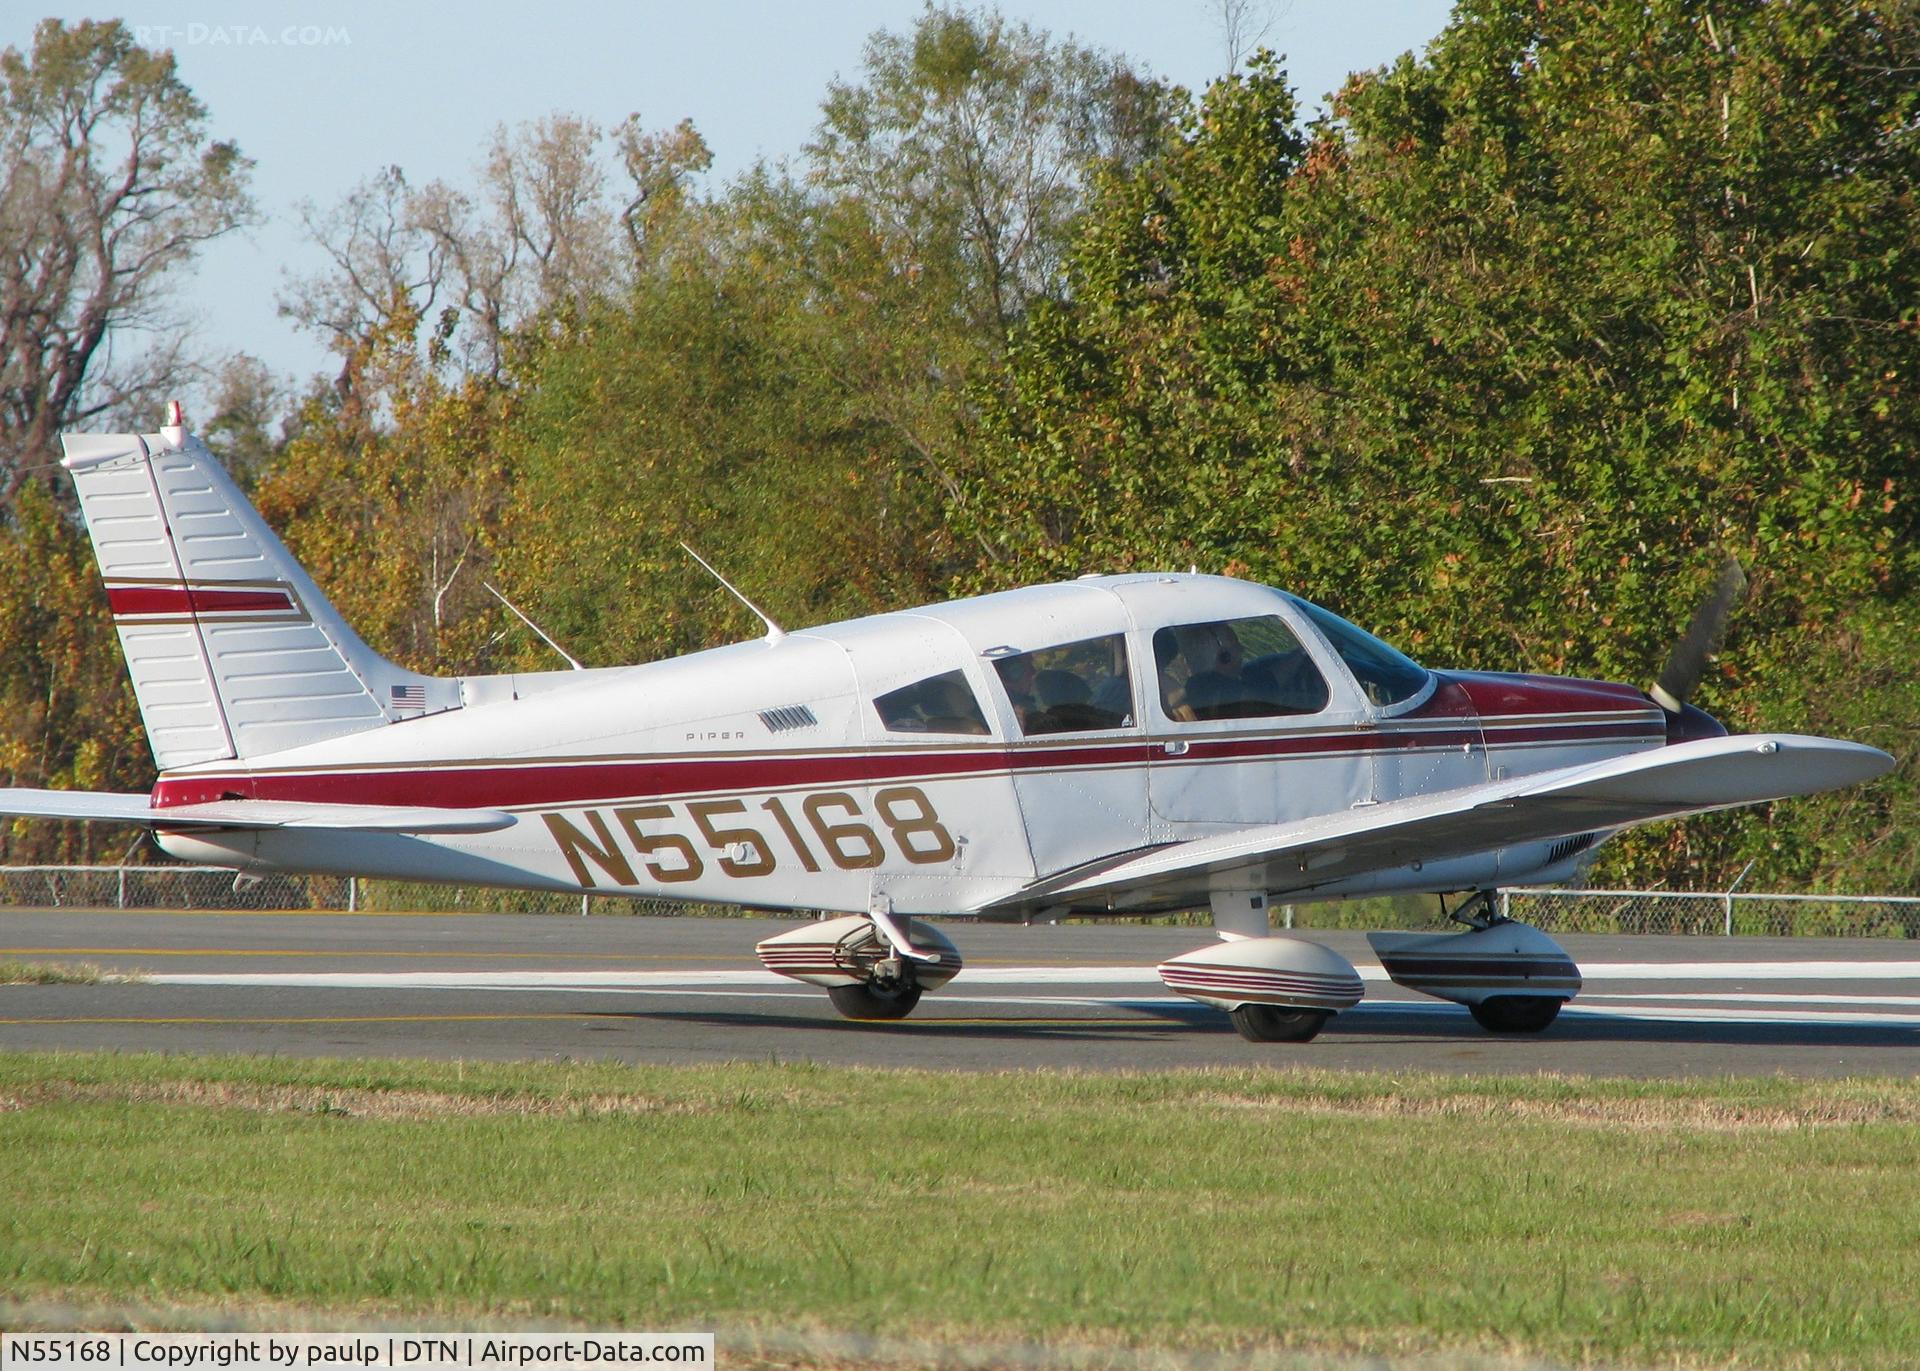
[1511, 977]
[1288, 973]
[853, 951]
[1504, 960]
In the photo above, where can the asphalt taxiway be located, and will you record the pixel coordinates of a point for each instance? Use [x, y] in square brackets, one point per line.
[1083, 997]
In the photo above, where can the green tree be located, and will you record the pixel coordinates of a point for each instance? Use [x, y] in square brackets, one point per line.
[67, 716]
[786, 385]
[1498, 359]
[966, 143]
[390, 495]
[111, 186]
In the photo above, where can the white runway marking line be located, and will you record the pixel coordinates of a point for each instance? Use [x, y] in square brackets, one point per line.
[1755, 997]
[1668, 1013]
[985, 976]
[1678, 1005]
[1808, 1016]
[1751, 971]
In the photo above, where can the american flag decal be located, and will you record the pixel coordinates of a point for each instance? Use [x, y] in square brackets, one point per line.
[410, 696]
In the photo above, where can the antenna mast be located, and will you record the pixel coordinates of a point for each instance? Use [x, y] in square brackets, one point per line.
[774, 632]
[538, 631]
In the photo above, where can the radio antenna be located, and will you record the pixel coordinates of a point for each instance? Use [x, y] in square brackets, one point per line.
[539, 632]
[774, 632]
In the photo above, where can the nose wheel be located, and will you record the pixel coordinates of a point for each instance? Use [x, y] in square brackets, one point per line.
[892, 998]
[1267, 1023]
[1516, 1013]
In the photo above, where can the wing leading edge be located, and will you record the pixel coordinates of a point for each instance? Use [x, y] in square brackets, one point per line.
[103, 807]
[1664, 783]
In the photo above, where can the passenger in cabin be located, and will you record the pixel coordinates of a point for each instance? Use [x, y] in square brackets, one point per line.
[1017, 675]
[1166, 666]
[1113, 699]
[1076, 687]
[949, 706]
[1212, 678]
[1058, 689]
[1217, 689]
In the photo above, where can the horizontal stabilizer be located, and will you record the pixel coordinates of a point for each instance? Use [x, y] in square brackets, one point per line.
[101, 807]
[1662, 783]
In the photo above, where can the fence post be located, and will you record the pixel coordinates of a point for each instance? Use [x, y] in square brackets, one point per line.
[1506, 903]
[583, 906]
[353, 894]
[120, 899]
[1726, 900]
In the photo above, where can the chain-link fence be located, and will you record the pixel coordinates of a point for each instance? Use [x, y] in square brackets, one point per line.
[1556, 910]
[1712, 912]
[212, 888]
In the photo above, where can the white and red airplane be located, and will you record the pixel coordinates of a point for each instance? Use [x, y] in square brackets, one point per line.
[1113, 746]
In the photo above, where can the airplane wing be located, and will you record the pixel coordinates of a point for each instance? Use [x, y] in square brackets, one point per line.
[101, 807]
[1662, 783]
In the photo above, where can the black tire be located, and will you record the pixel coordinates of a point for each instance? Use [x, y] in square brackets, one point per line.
[1516, 1013]
[1266, 1023]
[866, 1002]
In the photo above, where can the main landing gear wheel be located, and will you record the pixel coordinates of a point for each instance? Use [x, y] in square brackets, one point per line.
[1516, 1013]
[1266, 1023]
[875, 1000]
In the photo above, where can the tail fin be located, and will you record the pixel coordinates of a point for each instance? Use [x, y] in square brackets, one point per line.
[233, 650]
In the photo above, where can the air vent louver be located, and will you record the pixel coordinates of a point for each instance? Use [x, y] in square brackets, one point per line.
[1567, 847]
[787, 717]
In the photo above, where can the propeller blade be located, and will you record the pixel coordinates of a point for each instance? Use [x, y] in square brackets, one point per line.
[1688, 661]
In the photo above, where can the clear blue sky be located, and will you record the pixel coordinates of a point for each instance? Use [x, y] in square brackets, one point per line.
[322, 94]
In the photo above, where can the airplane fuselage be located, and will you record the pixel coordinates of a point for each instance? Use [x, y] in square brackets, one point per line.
[920, 755]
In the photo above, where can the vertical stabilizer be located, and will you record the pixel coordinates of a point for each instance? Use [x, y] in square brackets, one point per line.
[233, 650]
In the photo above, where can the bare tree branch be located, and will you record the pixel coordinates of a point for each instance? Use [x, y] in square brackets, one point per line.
[110, 184]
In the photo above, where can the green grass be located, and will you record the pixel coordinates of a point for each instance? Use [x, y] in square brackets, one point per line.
[1762, 1223]
[16, 972]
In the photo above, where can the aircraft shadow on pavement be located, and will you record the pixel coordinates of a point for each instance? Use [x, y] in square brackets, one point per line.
[1420, 1022]
[1415, 1024]
[1014, 1029]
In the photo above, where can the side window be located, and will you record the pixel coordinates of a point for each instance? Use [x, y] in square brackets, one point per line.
[939, 704]
[1073, 688]
[1236, 669]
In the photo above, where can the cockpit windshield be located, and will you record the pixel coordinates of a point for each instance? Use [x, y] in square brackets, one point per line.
[1386, 675]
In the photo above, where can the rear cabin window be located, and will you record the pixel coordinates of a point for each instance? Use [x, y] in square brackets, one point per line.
[1236, 669]
[939, 704]
[1074, 688]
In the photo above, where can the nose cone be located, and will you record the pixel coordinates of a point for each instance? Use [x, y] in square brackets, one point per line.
[1691, 724]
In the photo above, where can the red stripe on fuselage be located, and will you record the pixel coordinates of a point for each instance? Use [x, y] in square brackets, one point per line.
[549, 783]
[1494, 694]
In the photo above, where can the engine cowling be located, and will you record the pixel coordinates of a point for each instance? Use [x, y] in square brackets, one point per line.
[844, 951]
[1290, 973]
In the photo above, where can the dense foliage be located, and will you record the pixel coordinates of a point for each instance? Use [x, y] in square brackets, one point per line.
[1502, 358]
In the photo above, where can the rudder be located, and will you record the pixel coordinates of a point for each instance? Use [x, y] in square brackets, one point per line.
[233, 650]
